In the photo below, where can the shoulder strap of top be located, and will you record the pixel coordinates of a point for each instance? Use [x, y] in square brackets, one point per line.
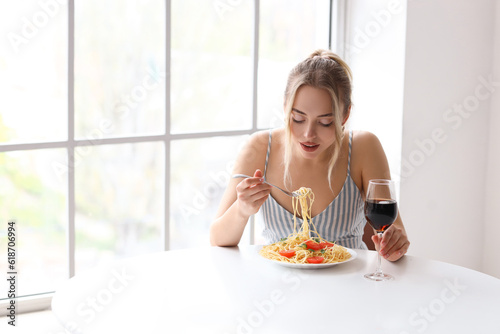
[349, 156]
[268, 152]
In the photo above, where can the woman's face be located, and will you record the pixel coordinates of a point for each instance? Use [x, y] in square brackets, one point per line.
[312, 122]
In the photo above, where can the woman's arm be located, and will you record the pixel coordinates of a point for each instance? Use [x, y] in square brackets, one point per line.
[394, 242]
[242, 198]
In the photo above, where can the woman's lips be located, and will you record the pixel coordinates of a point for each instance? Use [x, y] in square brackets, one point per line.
[309, 147]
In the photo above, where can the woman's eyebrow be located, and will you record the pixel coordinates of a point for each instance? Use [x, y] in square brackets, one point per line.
[303, 113]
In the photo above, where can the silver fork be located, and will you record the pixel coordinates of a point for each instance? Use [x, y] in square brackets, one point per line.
[291, 194]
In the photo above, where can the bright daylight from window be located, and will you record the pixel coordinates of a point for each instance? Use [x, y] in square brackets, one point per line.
[130, 149]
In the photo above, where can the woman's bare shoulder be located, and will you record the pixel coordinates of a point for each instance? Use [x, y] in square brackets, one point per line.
[365, 145]
[260, 140]
[252, 156]
[257, 142]
[365, 139]
[368, 156]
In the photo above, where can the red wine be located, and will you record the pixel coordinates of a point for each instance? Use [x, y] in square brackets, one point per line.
[381, 213]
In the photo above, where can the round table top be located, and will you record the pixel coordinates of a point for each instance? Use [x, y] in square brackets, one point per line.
[235, 290]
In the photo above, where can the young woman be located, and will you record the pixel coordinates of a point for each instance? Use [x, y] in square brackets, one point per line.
[313, 150]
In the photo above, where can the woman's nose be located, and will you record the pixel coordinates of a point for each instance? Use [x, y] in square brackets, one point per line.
[310, 131]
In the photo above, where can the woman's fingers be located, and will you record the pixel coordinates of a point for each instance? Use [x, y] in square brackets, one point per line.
[252, 185]
[393, 244]
[252, 193]
[398, 249]
[258, 173]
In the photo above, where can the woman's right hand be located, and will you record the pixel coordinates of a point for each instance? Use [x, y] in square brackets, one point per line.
[252, 192]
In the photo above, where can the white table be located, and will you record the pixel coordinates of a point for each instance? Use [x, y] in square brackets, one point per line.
[234, 290]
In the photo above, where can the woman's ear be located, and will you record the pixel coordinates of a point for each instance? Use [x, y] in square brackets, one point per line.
[347, 116]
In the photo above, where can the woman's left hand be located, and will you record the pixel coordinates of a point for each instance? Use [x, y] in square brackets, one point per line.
[393, 244]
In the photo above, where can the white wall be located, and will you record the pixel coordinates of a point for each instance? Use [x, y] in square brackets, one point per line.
[449, 56]
[375, 51]
[491, 261]
[432, 61]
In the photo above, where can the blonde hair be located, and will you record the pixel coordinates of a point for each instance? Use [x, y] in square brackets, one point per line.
[325, 70]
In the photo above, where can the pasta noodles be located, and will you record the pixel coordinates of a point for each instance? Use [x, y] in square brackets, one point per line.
[300, 246]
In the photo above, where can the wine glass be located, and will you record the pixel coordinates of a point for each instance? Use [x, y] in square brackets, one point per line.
[381, 210]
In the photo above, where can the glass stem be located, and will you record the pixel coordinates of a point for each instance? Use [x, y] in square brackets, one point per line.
[379, 263]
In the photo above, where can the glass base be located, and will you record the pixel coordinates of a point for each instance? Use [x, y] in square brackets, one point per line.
[379, 277]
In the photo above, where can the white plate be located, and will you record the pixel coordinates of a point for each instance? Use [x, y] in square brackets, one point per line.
[315, 265]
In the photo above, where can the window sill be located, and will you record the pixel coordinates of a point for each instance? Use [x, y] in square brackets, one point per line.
[26, 304]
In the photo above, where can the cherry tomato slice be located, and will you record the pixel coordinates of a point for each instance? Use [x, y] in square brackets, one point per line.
[287, 253]
[311, 244]
[315, 259]
[326, 244]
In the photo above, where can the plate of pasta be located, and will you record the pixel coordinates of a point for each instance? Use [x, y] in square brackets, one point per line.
[305, 248]
[299, 265]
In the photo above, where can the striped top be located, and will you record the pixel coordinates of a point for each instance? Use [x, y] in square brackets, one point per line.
[343, 221]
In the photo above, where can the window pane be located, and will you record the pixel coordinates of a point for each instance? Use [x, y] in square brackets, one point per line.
[33, 71]
[211, 65]
[201, 169]
[119, 202]
[119, 68]
[289, 31]
[33, 193]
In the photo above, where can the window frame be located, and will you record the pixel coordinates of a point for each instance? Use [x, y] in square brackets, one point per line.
[41, 301]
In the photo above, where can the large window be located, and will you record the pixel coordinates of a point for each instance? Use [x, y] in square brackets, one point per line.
[119, 120]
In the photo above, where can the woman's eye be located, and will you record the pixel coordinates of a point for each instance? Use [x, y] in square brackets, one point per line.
[326, 124]
[297, 120]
